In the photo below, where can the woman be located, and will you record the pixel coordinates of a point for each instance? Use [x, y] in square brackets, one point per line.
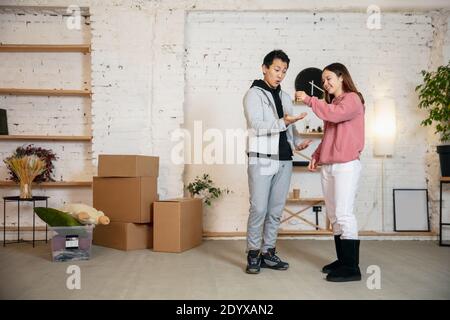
[339, 153]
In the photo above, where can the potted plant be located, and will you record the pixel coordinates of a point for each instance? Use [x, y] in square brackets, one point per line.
[203, 187]
[434, 96]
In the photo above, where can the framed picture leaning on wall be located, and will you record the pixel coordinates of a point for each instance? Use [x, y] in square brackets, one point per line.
[411, 210]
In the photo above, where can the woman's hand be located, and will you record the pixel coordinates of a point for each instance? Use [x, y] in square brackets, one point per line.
[288, 119]
[300, 96]
[312, 166]
[305, 144]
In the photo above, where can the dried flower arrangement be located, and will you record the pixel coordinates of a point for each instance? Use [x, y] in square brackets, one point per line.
[26, 168]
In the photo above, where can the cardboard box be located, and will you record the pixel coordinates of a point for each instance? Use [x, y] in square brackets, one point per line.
[178, 224]
[125, 199]
[124, 236]
[127, 166]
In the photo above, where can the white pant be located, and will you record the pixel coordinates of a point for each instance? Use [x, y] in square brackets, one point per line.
[339, 184]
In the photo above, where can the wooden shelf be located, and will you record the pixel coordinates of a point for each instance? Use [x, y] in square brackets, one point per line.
[25, 229]
[301, 103]
[445, 179]
[298, 103]
[297, 163]
[50, 184]
[83, 48]
[311, 134]
[45, 92]
[44, 138]
[305, 169]
[305, 200]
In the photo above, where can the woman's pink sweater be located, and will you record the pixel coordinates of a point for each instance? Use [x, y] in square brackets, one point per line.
[343, 138]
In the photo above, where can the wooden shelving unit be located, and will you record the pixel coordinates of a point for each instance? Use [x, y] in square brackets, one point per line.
[45, 92]
[43, 138]
[50, 184]
[305, 169]
[86, 93]
[298, 103]
[311, 134]
[307, 203]
[305, 200]
[83, 48]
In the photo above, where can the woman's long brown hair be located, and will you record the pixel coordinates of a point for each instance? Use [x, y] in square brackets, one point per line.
[347, 84]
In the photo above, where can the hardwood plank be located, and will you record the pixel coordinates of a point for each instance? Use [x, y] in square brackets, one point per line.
[305, 168]
[25, 229]
[44, 138]
[83, 48]
[50, 184]
[45, 92]
[305, 200]
[311, 134]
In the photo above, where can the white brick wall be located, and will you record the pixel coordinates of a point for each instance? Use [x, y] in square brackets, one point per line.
[138, 102]
[168, 95]
[120, 79]
[447, 43]
[146, 85]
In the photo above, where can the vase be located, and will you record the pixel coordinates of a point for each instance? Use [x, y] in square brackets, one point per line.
[25, 190]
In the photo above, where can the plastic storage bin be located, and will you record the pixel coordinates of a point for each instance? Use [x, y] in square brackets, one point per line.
[71, 243]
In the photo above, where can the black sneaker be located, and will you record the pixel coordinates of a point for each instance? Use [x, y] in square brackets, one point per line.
[253, 261]
[272, 261]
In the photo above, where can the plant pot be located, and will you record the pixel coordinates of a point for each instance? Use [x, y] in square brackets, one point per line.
[444, 159]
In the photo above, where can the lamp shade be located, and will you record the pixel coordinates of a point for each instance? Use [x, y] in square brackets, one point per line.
[385, 126]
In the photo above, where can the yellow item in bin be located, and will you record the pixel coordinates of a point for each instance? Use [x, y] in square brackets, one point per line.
[85, 214]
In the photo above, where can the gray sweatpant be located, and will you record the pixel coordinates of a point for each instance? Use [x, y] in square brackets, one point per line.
[268, 182]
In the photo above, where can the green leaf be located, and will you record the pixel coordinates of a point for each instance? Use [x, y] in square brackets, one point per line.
[204, 185]
[56, 218]
[434, 95]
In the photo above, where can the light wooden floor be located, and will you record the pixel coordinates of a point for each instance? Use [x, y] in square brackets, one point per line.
[215, 270]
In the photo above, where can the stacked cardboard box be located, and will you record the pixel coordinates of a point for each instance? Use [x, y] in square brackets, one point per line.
[125, 190]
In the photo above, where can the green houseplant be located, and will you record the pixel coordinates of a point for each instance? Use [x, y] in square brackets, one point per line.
[434, 96]
[203, 187]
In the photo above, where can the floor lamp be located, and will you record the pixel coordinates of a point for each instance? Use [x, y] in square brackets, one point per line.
[385, 127]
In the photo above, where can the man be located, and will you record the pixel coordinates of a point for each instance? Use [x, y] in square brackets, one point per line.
[272, 136]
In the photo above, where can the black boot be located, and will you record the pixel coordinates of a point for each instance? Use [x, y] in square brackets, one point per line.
[349, 270]
[253, 261]
[334, 265]
[272, 261]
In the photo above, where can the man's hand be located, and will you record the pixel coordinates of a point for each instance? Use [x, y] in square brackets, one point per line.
[312, 166]
[292, 119]
[305, 144]
[300, 96]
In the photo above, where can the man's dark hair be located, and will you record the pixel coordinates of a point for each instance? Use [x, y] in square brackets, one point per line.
[275, 54]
